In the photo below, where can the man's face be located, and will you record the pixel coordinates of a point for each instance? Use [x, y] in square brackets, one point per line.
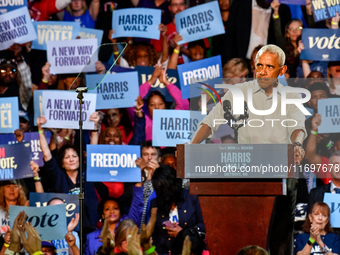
[8, 75]
[268, 69]
[196, 53]
[335, 171]
[315, 96]
[177, 6]
[224, 5]
[149, 154]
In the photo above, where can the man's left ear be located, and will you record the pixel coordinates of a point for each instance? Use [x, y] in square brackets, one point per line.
[283, 69]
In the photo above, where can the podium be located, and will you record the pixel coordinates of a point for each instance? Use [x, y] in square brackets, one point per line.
[236, 203]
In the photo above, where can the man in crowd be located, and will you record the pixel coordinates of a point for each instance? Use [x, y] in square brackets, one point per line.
[269, 65]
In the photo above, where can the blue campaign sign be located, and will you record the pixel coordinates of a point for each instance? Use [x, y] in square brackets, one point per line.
[325, 9]
[15, 161]
[136, 22]
[294, 2]
[145, 73]
[9, 114]
[205, 70]
[199, 22]
[333, 201]
[33, 139]
[329, 109]
[54, 31]
[37, 99]
[11, 5]
[49, 221]
[117, 90]
[321, 44]
[71, 202]
[112, 163]
[88, 33]
[16, 27]
[172, 127]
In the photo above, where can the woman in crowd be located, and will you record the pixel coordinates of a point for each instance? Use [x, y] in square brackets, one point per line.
[120, 236]
[77, 11]
[111, 210]
[174, 204]
[235, 71]
[317, 237]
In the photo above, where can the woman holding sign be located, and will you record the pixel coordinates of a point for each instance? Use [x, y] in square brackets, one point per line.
[317, 237]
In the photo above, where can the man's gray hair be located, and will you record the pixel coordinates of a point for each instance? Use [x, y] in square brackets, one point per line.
[334, 154]
[273, 49]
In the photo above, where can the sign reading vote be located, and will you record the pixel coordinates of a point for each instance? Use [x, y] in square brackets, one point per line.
[11, 5]
[49, 221]
[172, 127]
[325, 9]
[199, 22]
[16, 27]
[71, 202]
[62, 110]
[15, 161]
[116, 90]
[72, 56]
[333, 201]
[205, 70]
[145, 73]
[321, 44]
[88, 33]
[112, 163]
[54, 31]
[33, 139]
[9, 114]
[329, 109]
[136, 22]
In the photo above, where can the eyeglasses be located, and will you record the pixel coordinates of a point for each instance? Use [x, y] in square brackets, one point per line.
[295, 29]
[11, 71]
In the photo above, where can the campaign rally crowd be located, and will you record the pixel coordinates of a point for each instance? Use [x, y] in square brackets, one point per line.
[151, 211]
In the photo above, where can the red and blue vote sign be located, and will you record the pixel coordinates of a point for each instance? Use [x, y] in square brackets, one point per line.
[117, 90]
[201, 21]
[321, 44]
[112, 163]
[11, 5]
[145, 73]
[136, 22]
[325, 9]
[15, 161]
[208, 71]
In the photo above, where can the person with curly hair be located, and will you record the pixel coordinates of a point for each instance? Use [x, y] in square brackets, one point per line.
[11, 193]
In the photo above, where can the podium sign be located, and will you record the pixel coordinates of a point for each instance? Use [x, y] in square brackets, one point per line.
[218, 161]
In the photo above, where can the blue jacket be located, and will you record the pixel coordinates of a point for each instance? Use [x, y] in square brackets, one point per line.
[189, 214]
[135, 214]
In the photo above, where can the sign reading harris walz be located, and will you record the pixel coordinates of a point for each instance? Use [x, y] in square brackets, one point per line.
[321, 44]
[222, 161]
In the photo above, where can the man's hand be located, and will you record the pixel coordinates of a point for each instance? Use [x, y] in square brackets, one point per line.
[40, 121]
[173, 231]
[316, 121]
[35, 168]
[163, 28]
[141, 163]
[15, 233]
[31, 244]
[70, 239]
[73, 223]
[7, 237]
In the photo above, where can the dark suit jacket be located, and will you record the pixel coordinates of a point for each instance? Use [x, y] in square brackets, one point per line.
[316, 194]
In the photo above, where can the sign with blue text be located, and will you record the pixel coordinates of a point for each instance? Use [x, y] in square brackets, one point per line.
[201, 21]
[16, 27]
[321, 44]
[136, 22]
[333, 201]
[11, 5]
[54, 31]
[9, 114]
[72, 56]
[112, 163]
[33, 139]
[49, 221]
[88, 33]
[325, 9]
[15, 161]
[329, 109]
[117, 90]
[61, 109]
[205, 71]
[145, 73]
[172, 127]
[71, 202]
